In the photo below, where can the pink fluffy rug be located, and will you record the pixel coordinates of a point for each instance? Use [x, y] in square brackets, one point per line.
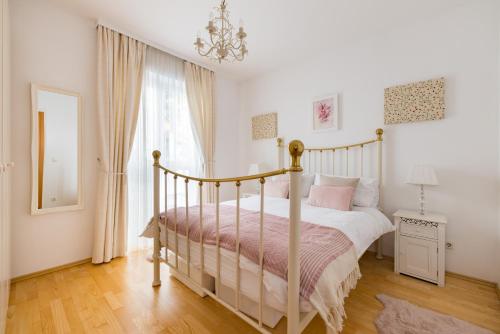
[401, 317]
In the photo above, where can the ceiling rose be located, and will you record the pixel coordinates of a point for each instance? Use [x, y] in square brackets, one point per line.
[222, 44]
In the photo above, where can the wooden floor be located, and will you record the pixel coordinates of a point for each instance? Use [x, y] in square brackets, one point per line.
[118, 298]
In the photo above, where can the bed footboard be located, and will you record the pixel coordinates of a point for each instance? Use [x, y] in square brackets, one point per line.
[296, 149]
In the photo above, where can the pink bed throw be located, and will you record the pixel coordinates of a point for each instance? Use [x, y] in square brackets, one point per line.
[319, 245]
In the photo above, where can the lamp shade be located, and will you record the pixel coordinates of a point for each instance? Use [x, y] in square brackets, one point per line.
[422, 174]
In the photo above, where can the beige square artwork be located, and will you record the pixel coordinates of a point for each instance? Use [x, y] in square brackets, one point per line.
[265, 126]
[418, 101]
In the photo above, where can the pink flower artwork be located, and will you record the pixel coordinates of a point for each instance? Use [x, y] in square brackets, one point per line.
[323, 111]
[325, 114]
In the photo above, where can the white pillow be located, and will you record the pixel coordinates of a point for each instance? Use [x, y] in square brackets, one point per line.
[307, 181]
[366, 194]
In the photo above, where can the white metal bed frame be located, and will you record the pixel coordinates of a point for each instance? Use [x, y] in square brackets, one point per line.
[296, 322]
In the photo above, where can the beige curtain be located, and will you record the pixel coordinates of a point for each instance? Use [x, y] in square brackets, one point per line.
[120, 63]
[200, 93]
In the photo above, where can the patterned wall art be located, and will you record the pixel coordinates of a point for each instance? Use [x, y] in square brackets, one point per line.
[415, 102]
[265, 126]
[325, 113]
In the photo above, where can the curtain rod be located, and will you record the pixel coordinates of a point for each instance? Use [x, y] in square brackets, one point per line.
[150, 43]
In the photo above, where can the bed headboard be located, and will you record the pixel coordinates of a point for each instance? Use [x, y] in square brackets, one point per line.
[356, 160]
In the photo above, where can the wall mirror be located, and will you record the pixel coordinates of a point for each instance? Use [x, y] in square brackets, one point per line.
[56, 150]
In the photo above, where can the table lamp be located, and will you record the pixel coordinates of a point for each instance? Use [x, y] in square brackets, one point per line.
[422, 175]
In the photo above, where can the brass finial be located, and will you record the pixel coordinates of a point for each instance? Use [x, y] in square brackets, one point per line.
[279, 141]
[379, 133]
[238, 183]
[156, 157]
[296, 148]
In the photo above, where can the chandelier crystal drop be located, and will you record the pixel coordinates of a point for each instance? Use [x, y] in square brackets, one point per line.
[222, 44]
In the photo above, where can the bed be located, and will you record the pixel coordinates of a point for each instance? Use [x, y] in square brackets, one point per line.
[266, 295]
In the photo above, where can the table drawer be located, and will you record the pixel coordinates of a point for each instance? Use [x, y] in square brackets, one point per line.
[421, 230]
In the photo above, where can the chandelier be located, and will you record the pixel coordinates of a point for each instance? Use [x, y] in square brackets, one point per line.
[221, 44]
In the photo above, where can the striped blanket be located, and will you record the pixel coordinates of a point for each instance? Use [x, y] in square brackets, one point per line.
[319, 245]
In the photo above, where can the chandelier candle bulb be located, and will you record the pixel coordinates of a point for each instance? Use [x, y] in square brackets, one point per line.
[199, 44]
[210, 27]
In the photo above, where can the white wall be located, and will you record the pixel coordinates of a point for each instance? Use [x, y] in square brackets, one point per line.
[58, 48]
[227, 106]
[52, 47]
[461, 45]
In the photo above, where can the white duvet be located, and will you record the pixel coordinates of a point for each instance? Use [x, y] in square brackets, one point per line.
[362, 225]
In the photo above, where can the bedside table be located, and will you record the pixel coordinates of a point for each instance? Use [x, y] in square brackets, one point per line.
[420, 245]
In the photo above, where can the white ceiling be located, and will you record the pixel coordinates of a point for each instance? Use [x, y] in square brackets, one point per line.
[279, 31]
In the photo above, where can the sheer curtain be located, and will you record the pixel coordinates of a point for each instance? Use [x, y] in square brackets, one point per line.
[164, 124]
[200, 93]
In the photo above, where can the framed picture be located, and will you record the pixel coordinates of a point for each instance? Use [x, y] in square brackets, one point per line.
[265, 126]
[414, 102]
[325, 113]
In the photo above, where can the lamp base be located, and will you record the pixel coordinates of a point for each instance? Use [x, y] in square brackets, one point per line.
[422, 201]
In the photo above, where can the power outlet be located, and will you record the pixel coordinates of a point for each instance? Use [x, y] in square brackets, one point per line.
[449, 245]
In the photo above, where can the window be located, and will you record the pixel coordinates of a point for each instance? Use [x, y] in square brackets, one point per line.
[164, 124]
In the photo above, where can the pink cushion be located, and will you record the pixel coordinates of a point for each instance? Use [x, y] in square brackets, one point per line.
[332, 197]
[277, 189]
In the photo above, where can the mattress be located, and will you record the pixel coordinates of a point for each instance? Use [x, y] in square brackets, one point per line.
[362, 225]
